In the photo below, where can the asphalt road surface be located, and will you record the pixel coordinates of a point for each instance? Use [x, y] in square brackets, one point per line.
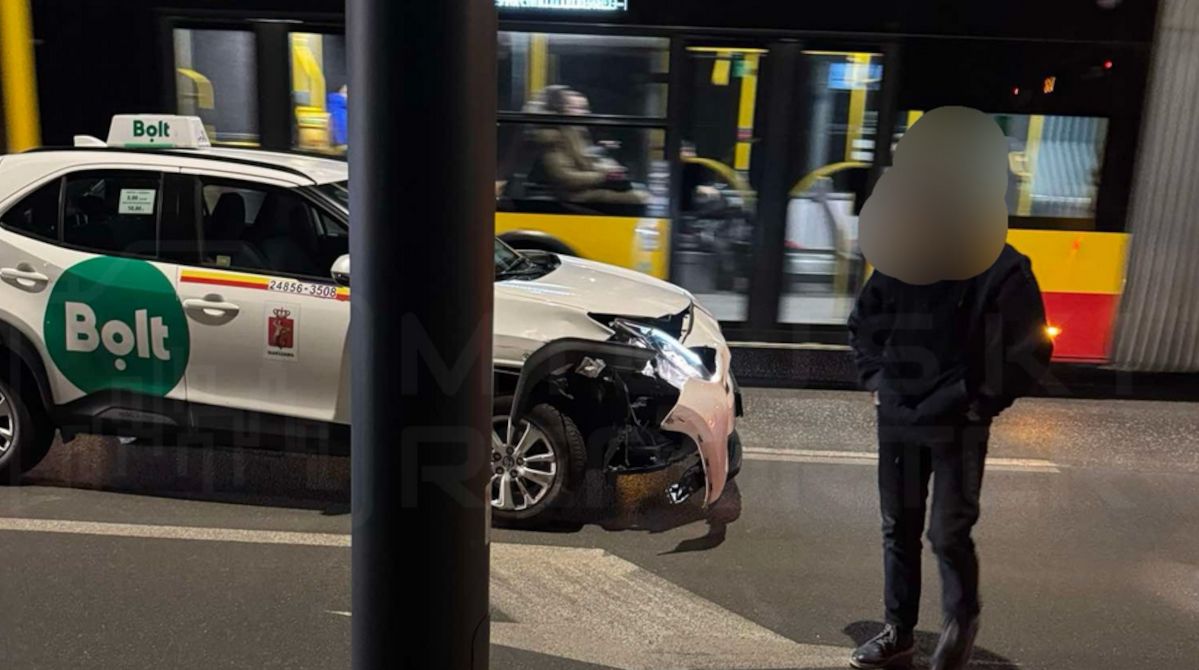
[140, 556]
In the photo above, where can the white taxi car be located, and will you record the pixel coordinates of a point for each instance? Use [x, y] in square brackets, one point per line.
[153, 285]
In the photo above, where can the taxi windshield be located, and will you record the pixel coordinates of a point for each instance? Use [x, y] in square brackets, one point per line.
[338, 191]
[507, 259]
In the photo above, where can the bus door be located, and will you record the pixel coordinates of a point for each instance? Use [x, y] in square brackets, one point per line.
[719, 122]
[776, 152]
[836, 116]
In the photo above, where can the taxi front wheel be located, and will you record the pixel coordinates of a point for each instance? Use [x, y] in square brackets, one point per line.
[539, 469]
[25, 432]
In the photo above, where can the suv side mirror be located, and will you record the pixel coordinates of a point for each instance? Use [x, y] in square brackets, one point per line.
[341, 270]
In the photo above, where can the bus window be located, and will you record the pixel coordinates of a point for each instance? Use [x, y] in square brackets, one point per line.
[581, 147]
[822, 265]
[577, 169]
[319, 92]
[1054, 164]
[618, 75]
[216, 78]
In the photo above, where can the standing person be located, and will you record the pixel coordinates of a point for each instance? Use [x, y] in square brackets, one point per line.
[947, 333]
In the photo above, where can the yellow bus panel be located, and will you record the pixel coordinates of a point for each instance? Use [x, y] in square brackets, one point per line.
[1067, 261]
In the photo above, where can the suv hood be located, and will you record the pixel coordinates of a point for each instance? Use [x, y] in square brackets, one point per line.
[597, 287]
[529, 313]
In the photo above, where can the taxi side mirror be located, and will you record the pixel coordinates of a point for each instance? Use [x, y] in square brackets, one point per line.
[341, 270]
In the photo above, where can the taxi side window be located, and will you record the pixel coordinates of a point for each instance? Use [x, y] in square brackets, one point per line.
[267, 229]
[113, 212]
[37, 214]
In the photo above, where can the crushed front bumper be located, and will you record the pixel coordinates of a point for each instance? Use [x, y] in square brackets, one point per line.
[646, 422]
[706, 412]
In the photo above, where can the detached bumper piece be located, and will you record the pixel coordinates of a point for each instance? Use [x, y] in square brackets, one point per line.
[693, 480]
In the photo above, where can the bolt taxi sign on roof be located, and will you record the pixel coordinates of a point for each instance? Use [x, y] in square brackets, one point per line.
[157, 131]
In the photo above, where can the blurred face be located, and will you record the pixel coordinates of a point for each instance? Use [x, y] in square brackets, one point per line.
[939, 212]
[577, 104]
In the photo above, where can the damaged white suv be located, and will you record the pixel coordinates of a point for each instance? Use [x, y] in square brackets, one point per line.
[152, 284]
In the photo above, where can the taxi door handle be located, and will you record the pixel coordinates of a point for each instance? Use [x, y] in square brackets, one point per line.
[25, 274]
[211, 307]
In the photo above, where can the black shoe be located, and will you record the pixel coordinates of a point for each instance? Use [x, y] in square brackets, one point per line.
[890, 647]
[956, 645]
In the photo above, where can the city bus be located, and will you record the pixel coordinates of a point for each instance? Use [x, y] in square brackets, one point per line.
[727, 147]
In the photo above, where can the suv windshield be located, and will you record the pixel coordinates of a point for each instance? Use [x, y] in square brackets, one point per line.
[507, 259]
[338, 191]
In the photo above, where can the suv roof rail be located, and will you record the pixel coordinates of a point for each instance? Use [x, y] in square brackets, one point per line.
[189, 153]
[340, 158]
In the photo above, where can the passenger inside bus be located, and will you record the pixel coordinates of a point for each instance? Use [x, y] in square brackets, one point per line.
[715, 228]
[564, 163]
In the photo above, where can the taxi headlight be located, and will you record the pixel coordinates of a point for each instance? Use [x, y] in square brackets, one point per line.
[674, 363]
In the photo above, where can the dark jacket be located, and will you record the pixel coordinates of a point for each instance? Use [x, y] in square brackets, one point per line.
[940, 352]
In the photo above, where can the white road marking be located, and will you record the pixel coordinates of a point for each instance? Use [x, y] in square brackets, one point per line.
[174, 532]
[582, 604]
[590, 606]
[870, 458]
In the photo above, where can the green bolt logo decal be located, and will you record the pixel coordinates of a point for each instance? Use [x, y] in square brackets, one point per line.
[116, 323]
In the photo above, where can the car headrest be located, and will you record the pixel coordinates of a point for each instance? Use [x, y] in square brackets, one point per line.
[91, 205]
[228, 217]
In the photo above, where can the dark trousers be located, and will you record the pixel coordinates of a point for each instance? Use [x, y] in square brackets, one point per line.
[954, 458]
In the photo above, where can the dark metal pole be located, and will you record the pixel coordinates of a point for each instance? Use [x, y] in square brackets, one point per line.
[780, 156]
[273, 51]
[422, 162]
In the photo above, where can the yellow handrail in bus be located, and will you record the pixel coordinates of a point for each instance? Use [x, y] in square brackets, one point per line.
[810, 178]
[204, 96]
[539, 64]
[746, 110]
[722, 72]
[17, 76]
[307, 73]
[842, 252]
[733, 177]
[859, 62]
[308, 77]
[729, 50]
[1036, 124]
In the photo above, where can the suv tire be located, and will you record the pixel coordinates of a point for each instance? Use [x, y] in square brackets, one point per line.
[26, 432]
[557, 446]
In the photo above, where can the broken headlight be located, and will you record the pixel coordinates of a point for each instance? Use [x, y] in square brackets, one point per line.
[674, 363]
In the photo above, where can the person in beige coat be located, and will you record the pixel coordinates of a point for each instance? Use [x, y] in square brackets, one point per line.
[569, 160]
